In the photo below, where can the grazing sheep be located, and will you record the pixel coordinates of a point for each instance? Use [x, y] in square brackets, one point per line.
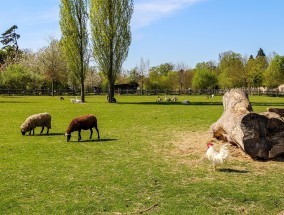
[174, 99]
[37, 120]
[167, 99]
[61, 98]
[159, 100]
[82, 122]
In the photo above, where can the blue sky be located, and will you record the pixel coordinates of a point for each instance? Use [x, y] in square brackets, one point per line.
[168, 31]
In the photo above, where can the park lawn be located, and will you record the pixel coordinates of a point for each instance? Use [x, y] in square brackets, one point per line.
[149, 159]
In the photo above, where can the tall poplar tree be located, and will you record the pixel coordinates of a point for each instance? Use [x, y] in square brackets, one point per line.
[111, 36]
[73, 24]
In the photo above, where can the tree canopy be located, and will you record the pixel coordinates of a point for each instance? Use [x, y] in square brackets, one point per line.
[111, 36]
[74, 41]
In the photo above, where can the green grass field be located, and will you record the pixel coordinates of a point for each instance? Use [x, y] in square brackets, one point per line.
[149, 160]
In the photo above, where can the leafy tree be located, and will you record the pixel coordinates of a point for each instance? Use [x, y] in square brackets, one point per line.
[143, 69]
[260, 53]
[73, 24]
[3, 55]
[172, 81]
[181, 70]
[232, 70]
[255, 69]
[53, 63]
[30, 60]
[111, 36]
[188, 77]
[93, 79]
[154, 80]
[205, 76]
[9, 39]
[162, 69]
[16, 76]
[133, 75]
[274, 74]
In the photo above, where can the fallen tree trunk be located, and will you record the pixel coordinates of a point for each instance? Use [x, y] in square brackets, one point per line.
[260, 135]
[279, 111]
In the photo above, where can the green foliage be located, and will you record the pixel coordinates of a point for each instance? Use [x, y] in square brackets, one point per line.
[10, 37]
[16, 76]
[274, 75]
[73, 24]
[53, 64]
[205, 76]
[148, 154]
[111, 36]
[255, 69]
[162, 69]
[3, 56]
[260, 53]
[232, 71]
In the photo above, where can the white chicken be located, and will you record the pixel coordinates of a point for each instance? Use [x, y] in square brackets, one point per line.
[217, 158]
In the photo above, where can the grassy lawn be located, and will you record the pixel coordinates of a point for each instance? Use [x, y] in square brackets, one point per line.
[149, 160]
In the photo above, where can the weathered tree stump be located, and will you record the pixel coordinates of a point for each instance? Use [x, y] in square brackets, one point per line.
[279, 111]
[260, 135]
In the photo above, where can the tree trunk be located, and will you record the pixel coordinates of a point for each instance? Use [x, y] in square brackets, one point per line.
[52, 88]
[279, 111]
[260, 135]
[111, 92]
[83, 92]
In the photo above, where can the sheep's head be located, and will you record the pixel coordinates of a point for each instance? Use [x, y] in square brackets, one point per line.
[68, 137]
[23, 129]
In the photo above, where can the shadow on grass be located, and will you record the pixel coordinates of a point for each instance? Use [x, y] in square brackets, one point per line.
[229, 170]
[267, 103]
[44, 134]
[14, 102]
[93, 140]
[56, 134]
[170, 103]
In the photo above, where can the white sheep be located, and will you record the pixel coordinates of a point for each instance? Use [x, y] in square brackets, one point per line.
[36, 120]
[185, 102]
[76, 100]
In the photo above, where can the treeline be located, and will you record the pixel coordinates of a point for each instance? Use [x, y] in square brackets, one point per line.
[46, 70]
[233, 70]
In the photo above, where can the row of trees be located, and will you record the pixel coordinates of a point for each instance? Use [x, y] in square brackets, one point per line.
[232, 70]
[65, 63]
[110, 40]
[47, 68]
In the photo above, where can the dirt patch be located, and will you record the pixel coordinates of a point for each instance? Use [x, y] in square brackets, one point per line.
[193, 145]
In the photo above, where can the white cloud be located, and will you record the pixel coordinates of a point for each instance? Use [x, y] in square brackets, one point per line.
[148, 11]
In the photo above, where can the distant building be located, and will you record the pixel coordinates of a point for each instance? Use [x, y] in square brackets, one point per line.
[125, 88]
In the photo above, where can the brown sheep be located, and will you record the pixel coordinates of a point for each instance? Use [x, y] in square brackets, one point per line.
[82, 122]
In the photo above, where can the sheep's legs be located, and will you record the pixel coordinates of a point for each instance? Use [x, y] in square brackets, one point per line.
[47, 131]
[98, 132]
[41, 129]
[79, 135]
[91, 133]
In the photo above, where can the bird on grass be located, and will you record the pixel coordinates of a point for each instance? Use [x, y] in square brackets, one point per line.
[217, 158]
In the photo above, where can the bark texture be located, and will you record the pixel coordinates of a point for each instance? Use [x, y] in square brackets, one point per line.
[260, 135]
